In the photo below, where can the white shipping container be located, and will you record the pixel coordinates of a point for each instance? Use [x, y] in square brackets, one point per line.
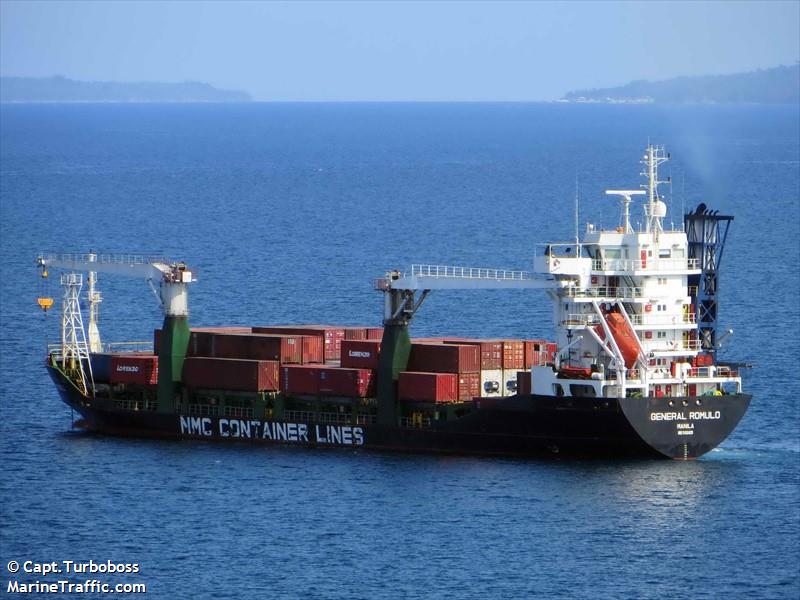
[510, 381]
[492, 383]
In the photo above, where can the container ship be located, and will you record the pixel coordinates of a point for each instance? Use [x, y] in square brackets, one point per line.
[630, 371]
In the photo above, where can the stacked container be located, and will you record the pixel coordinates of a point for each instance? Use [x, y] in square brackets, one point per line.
[332, 335]
[361, 354]
[363, 333]
[444, 358]
[463, 360]
[231, 374]
[535, 353]
[491, 380]
[428, 387]
[320, 380]
[141, 369]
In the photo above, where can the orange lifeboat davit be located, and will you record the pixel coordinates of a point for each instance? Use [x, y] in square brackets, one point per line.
[624, 336]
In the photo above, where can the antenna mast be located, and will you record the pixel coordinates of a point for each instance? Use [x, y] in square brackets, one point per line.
[577, 233]
[653, 157]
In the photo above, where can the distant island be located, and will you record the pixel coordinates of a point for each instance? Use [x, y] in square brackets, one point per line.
[61, 89]
[779, 85]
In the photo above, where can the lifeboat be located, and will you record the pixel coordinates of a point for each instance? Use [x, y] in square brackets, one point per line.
[623, 335]
[574, 373]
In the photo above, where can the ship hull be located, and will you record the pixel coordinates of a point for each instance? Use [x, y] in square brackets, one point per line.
[516, 426]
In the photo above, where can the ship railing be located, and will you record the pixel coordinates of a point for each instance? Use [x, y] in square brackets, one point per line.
[366, 419]
[651, 264]
[662, 345]
[706, 372]
[580, 320]
[135, 405]
[417, 423]
[314, 417]
[468, 273]
[692, 290]
[116, 259]
[241, 412]
[651, 319]
[603, 291]
[204, 410]
[128, 347]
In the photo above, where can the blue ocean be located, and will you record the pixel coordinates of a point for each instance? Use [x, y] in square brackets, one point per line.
[287, 212]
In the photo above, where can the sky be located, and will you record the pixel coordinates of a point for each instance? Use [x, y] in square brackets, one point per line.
[401, 51]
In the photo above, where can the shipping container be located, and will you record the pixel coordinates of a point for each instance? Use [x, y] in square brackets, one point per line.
[509, 382]
[286, 349]
[535, 353]
[491, 351]
[551, 349]
[134, 368]
[231, 374]
[524, 383]
[444, 358]
[320, 380]
[199, 345]
[331, 334]
[363, 333]
[491, 382]
[513, 355]
[428, 387]
[232, 345]
[374, 333]
[469, 386]
[360, 354]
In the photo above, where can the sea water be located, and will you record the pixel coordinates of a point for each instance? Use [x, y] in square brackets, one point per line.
[287, 212]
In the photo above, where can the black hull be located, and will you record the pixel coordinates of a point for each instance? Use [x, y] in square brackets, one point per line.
[516, 426]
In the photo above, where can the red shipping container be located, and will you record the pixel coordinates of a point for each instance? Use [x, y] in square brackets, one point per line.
[331, 334]
[286, 349]
[551, 349]
[199, 343]
[134, 368]
[535, 353]
[313, 349]
[374, 333]
[230, 374]
[299, 379]
[355, 333]
[524, 383]
[363, 333]
[513, 354]
[469, 386]
[360, 354]
[491, 351]
[428, 387]
[445, 358]
[328, 381]
[232, 345]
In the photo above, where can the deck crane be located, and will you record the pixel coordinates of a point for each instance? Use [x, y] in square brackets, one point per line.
[401, 304]
[169, 281]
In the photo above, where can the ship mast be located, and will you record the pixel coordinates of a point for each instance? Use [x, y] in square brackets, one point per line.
[654, 157]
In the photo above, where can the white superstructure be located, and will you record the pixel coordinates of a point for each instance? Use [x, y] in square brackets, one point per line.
[624, 313]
